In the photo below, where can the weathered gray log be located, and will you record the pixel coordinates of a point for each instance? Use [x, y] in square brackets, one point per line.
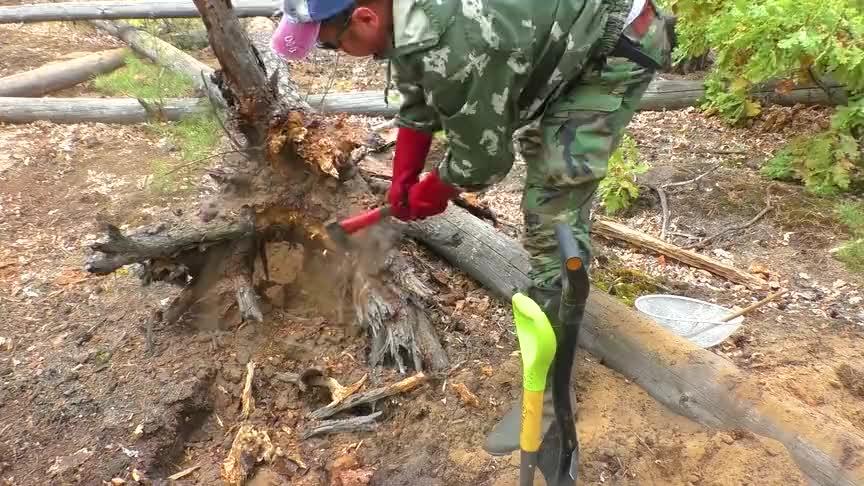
[101, 110]
[689, 380]
[164, 54]
[362, 423]
[662, 94]
[60, 75]
[68, 11]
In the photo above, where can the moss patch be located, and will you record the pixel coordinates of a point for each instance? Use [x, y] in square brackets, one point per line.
[626, 284]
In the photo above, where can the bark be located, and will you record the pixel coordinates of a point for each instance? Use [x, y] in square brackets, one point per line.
[292, 188]
[689, 380]
[61, 75]
[69, 11]
[97, 110]
[166, 55]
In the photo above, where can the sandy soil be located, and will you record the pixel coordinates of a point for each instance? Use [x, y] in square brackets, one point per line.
[81, 404]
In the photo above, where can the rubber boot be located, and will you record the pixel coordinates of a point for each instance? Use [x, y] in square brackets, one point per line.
[504, 437]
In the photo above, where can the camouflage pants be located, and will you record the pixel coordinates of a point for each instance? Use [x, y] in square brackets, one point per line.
[580, 130]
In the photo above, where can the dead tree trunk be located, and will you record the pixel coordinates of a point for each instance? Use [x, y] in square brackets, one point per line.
[98, 110]
[69, 11]
[61, 75]
[291, 182]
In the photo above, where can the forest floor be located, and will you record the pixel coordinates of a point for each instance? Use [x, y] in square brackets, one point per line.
[80, 403]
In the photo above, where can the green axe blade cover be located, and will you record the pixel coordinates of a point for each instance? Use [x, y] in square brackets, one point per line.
[536, 341]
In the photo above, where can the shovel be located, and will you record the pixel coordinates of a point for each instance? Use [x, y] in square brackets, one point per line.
[537, 348]
[559, 452]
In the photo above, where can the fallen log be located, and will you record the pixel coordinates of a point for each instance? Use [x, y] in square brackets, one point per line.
[165, 54]
[97, 110]
[691, 381]
[164, 9]
[617, 231]
[662, 94]
[60, 75]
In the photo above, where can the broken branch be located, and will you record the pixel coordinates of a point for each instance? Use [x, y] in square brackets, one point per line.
[768, 207]
[370, 396]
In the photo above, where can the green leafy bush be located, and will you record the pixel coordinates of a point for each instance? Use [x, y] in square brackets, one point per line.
[618, 189]
[852, 252]
[793, 42]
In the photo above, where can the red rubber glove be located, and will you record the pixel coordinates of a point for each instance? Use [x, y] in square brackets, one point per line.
[430, 196]
[412, 147]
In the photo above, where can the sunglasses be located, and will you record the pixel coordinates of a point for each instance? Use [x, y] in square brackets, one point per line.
[346, 24]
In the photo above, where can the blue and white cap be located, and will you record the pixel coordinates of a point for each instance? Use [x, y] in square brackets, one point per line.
[297, 32]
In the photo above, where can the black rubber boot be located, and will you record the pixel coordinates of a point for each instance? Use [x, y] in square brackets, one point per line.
[504, 437]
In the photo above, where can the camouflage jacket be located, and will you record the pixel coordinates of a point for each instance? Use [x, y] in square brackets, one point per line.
[480, 69]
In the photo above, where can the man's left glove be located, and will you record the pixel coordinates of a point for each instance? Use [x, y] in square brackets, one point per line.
[429, 197]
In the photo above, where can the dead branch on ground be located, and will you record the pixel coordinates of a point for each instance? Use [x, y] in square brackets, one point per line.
[734, 229]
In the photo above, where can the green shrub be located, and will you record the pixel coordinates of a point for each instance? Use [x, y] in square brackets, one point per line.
[852, 252]
[793, 42]
[618, 189]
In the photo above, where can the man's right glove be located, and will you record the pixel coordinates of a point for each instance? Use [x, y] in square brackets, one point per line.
[412, 147]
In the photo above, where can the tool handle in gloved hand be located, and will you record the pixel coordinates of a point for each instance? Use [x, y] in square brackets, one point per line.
[363, 220]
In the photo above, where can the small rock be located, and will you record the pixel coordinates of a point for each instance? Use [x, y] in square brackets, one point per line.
[293, 350]
[232, 373]
[726, 438]
[82, 357]
[834, 384]
[284, 261]
[276, 295]
[345, 462]
[283, 401]
[70, 376]
[694, 478]
[167, 145]
[202, 374]
[243, 355]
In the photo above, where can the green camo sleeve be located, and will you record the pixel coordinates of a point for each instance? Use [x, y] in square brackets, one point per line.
[469, 97]
[414, 112]
[477, 114]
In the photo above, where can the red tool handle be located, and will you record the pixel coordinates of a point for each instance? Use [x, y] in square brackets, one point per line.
[363, 220]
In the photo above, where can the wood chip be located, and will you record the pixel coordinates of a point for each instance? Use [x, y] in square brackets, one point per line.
[183, 473]
[465, 395]
[246, 398]
[250, 447]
